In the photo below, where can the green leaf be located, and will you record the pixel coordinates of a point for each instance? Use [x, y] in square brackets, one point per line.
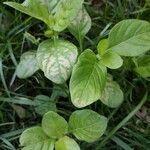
[143, 68]
[54, 125]
[87, 125]
[80, 25]
[44, 104]
[112, 95]
[87, 80]
[102, 46]
[32, 135]
[66, 143]
[111, 60]
[56, 59]
[66, 11]
[130, 37]
[27, 66]
[35, 8]
[46, 145]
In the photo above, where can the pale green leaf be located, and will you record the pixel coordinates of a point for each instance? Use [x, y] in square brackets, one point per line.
[66, 11]
[80, 25]
[87, 125]
[44, 104]
[45, 145]
[87, 80]
[32, 135]
[130, 37]
[27, 66]
[40, 9]
[102, 46]
[66, 143]
[54, 125]
[111, 60]
[143, 68]
[56, 59]
[112, 95]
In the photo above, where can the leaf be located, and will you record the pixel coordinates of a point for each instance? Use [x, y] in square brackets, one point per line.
[102, 46]
[36, 8]
[54, 125]
[87, 80]
[143, 68]
[112, 95]
[31, 38]
[32, 135]
[111, 60]
[46, 145]
[66, 11]
[66, 143]
[27, 66]
[80, 25]
[130, 37]
[44, 104]
[56, 59]
[87, 125]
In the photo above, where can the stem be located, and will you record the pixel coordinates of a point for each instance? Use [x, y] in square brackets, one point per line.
[123, 122]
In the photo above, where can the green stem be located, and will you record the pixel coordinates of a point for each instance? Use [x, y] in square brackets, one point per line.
[123, 122]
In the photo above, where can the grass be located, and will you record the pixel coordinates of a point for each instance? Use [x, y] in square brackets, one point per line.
[127, 129]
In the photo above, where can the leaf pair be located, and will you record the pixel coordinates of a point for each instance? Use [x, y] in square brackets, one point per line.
[85, 125]
[57, 14]
[55, 58]
[88, 83]
[88, 80]
[127, 38]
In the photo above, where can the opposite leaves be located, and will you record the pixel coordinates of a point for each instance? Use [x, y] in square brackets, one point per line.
[87, 80]
[87, 125]
[56, 59]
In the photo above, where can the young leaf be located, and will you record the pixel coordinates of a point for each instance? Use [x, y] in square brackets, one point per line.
[111, 60]
[143, 68]
[130, 37]
[56, 59]
[112, 95]
[54, 125]
[66, 143]
[44, 104]
[87, 80]
[80, 25]
[46, 145]
[32, 136]
[66, 11]
[27, 66]
[102, 46]
[87, 125]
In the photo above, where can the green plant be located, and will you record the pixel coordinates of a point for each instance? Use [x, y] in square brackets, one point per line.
[58, 58]
[85, 125]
